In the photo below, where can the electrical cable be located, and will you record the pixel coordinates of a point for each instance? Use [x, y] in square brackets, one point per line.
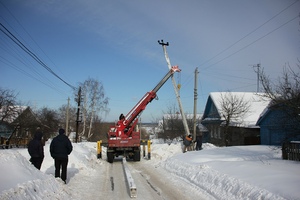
[246, 35]
[30, 53]
[27, 34]
[7, 62]
[252, 42]
[26, 62]
[188, 79]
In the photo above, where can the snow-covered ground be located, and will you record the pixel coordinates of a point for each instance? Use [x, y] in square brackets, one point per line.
[241, 172]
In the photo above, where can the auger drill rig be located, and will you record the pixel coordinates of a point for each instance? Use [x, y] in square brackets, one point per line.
[124, 137]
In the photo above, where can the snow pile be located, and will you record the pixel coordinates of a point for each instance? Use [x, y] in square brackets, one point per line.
[241, 172]
[20, 180]
[200, 170]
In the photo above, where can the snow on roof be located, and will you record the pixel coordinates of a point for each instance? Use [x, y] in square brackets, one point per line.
[257, 102]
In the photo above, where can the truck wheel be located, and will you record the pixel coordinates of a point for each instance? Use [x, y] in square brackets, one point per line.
[110, 157]
[137, 156]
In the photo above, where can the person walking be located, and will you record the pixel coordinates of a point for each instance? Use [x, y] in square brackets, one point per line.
[60, 148]
[36, 150]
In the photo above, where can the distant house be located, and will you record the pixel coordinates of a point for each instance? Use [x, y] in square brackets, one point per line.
[242, 130]
[277, 126]
[18, 127]
[5, 132]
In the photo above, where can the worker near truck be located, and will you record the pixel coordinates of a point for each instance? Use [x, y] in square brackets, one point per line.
[187, 142]
[199, 141]
[60, 148]
[122, 117]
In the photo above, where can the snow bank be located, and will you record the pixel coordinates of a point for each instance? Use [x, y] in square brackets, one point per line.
[247, 172]
[21, 180]
[241, 172]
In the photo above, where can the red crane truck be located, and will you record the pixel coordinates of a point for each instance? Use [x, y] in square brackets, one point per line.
[124, 137]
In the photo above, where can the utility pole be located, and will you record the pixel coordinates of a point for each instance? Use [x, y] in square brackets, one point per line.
[78, 112]
[67, 117]
[195, 101]
[258, 74]
[185, 125]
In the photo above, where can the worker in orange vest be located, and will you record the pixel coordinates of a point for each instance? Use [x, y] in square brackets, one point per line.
[187, 142]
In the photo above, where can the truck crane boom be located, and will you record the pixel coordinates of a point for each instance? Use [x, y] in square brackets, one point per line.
[122, 138]
[147, 98]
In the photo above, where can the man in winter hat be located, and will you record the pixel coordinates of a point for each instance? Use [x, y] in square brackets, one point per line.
[60, 148]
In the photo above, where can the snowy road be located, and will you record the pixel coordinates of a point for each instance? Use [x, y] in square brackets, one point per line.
[108, 181]
[154, 179]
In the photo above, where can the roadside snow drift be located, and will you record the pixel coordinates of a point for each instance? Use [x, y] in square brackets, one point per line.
[243, 172]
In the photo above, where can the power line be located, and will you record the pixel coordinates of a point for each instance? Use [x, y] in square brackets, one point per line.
[13, 51]
[252, 42]
[27, 33]
[30, 53]
[7, 62]
[247, 36]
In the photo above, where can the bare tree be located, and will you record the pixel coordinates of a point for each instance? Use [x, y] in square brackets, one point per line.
[144, 134]
[8, 105]
[94, 103]
[233, 108]
[72, 116]
[285, 97]
[285, 91]
[172, 123]
[50, 120]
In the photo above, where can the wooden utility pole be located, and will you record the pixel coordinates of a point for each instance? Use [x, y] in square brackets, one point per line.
[195, 102]
[67, 117]
[185, 125]
[258, 74]
[78, 112]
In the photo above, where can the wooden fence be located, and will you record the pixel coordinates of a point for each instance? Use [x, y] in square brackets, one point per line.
[291, 151]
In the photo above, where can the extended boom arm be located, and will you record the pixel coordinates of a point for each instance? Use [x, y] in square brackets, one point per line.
[131, 118]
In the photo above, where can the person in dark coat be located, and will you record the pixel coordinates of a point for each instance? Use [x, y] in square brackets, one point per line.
[60, 148]
[199, 142]
[36, 150]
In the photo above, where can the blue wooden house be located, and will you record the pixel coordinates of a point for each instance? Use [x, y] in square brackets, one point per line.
[243, 129]
[277, 126]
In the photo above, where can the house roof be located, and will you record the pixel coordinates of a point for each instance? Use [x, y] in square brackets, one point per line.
[281, 111]
[16, 111]
[257, 104]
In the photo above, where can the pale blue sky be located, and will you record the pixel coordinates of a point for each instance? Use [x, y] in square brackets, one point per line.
[116, 43]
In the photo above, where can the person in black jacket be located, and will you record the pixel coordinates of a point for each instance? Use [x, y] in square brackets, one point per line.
[60, 148]
[199, 142]
[36, 150]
